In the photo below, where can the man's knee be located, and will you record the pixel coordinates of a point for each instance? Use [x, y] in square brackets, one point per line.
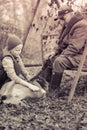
[61, 63]
[58, 65]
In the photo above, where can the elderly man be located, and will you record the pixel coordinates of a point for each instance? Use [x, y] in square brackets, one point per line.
[70, 47]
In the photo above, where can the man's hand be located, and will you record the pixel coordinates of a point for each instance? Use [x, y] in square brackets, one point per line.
[51, 56]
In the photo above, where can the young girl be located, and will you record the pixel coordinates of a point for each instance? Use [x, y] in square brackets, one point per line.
[13, 73]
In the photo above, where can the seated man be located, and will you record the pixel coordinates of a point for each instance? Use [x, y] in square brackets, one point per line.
[70, 48]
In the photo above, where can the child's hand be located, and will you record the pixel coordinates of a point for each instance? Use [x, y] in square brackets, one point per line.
[33, 87]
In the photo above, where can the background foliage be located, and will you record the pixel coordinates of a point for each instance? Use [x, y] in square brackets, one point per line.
[39, 32]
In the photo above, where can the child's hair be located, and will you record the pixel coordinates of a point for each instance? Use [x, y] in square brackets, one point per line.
[13, 41]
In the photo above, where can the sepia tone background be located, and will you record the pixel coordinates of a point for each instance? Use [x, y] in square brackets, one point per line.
[33, 21]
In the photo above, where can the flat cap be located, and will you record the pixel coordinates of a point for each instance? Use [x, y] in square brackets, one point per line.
[64, 10]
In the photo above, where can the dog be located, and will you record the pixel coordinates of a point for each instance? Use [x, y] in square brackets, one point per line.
[14, 93]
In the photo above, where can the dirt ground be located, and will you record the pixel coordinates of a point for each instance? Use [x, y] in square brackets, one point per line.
[49, 113]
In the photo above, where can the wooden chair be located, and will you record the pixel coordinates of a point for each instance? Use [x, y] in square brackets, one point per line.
[73, 87]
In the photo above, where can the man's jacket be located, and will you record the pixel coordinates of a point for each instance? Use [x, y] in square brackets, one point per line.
[73, 38]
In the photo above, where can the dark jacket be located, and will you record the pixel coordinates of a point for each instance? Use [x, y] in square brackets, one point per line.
[72, 39]
[3, 75]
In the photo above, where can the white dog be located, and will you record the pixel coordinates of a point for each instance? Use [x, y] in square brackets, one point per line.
[14, 93]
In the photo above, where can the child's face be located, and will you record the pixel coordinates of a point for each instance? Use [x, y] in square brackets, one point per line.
[17, 50]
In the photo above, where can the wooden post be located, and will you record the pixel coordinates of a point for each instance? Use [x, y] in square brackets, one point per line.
[28, 28]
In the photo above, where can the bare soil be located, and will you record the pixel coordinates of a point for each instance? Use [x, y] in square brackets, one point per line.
[50, 113]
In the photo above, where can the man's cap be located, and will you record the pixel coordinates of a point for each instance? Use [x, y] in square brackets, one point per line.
[64, 10]
[13, 41]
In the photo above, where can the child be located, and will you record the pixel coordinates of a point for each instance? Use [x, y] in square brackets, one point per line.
[13, 70]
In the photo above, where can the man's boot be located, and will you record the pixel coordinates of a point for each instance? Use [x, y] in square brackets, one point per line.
[56, 80]
[46, 74]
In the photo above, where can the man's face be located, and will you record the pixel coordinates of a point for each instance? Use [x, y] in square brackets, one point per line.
[67, 17]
